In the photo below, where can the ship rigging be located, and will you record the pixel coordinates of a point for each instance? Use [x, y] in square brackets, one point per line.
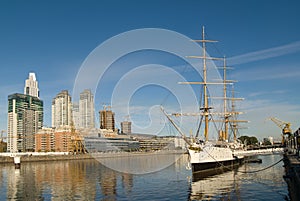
[207, 154]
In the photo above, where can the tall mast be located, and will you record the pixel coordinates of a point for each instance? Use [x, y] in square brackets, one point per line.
[225, 100]
[233, 110]
[206, 108]
[235, 121]
[227, 113]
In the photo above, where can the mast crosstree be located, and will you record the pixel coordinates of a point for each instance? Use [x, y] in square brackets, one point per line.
[228, 116]
[206, 108]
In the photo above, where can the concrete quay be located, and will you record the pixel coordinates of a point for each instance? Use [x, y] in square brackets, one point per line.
[59, 156]
[292, 174]
[28, 157]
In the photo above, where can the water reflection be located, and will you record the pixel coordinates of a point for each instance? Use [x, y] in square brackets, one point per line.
[89, 180]
[63, 181]
[238, 185]
[211, 184]
[138, 163]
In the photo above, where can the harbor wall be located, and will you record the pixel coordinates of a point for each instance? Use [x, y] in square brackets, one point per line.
[292, 174]
[41, 158]
[57, 156]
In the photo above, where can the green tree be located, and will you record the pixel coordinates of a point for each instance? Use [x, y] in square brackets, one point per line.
[243, 139]
[248, 140]
[253, 140]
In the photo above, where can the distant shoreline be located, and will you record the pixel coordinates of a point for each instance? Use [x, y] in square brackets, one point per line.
[41, 158]
[55, 157]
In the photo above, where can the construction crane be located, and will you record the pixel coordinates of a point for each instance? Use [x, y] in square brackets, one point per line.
[77, 145]
[2, 132]
[1, 141]
[285, 127]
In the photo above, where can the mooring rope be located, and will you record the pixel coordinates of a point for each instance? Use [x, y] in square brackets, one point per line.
[254, 171]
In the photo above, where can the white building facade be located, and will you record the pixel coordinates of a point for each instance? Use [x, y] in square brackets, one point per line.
[31, 86]
[62, 110]
[86, 110]
[126, 127]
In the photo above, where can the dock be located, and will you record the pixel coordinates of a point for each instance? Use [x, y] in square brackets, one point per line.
[292, 174]
[292, 164]
[17, 159]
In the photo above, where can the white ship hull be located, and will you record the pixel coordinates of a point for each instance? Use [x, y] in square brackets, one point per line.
[210, 157]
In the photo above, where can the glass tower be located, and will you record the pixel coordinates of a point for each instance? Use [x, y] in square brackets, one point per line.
[25, 118]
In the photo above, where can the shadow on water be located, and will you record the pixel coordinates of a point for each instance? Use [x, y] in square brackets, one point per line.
[212, 172]
[235, 184]
[214, 184]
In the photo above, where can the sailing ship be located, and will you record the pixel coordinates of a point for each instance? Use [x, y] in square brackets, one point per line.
[206, 154]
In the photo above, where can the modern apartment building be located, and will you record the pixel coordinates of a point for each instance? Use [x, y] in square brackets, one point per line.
[44, 140]
[86, 110]
[76, 116]
[107, 118]
[62, 110]
[57, 140]
[63, 139]
[25, 118]
[126, 127]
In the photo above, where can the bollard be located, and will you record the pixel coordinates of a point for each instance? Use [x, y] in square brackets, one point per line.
[17, 161]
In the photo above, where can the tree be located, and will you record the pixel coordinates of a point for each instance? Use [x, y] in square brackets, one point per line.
[248, 140]
[253, 140]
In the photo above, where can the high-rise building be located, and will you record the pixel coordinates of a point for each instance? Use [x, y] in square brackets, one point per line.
[25, 118]
[62, 110]
[76, 115]
[126, 127]
[86, 110]
[31, 86]
[107, 118]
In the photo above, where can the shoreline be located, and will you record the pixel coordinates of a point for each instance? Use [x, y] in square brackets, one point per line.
[30, 157]
[43, 158]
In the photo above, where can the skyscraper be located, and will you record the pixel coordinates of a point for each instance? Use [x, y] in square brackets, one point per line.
[76, 116]
[107, 119]
[25, 118]
[126, 127]
[31, 86]
[86, 109]
[62, 110]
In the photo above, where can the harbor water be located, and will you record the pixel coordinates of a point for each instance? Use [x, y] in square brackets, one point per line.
[90, 180]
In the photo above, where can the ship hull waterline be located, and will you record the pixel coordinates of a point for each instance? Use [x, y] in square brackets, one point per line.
[216, 165]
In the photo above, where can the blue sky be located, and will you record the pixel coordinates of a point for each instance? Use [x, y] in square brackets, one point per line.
[261, 40]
